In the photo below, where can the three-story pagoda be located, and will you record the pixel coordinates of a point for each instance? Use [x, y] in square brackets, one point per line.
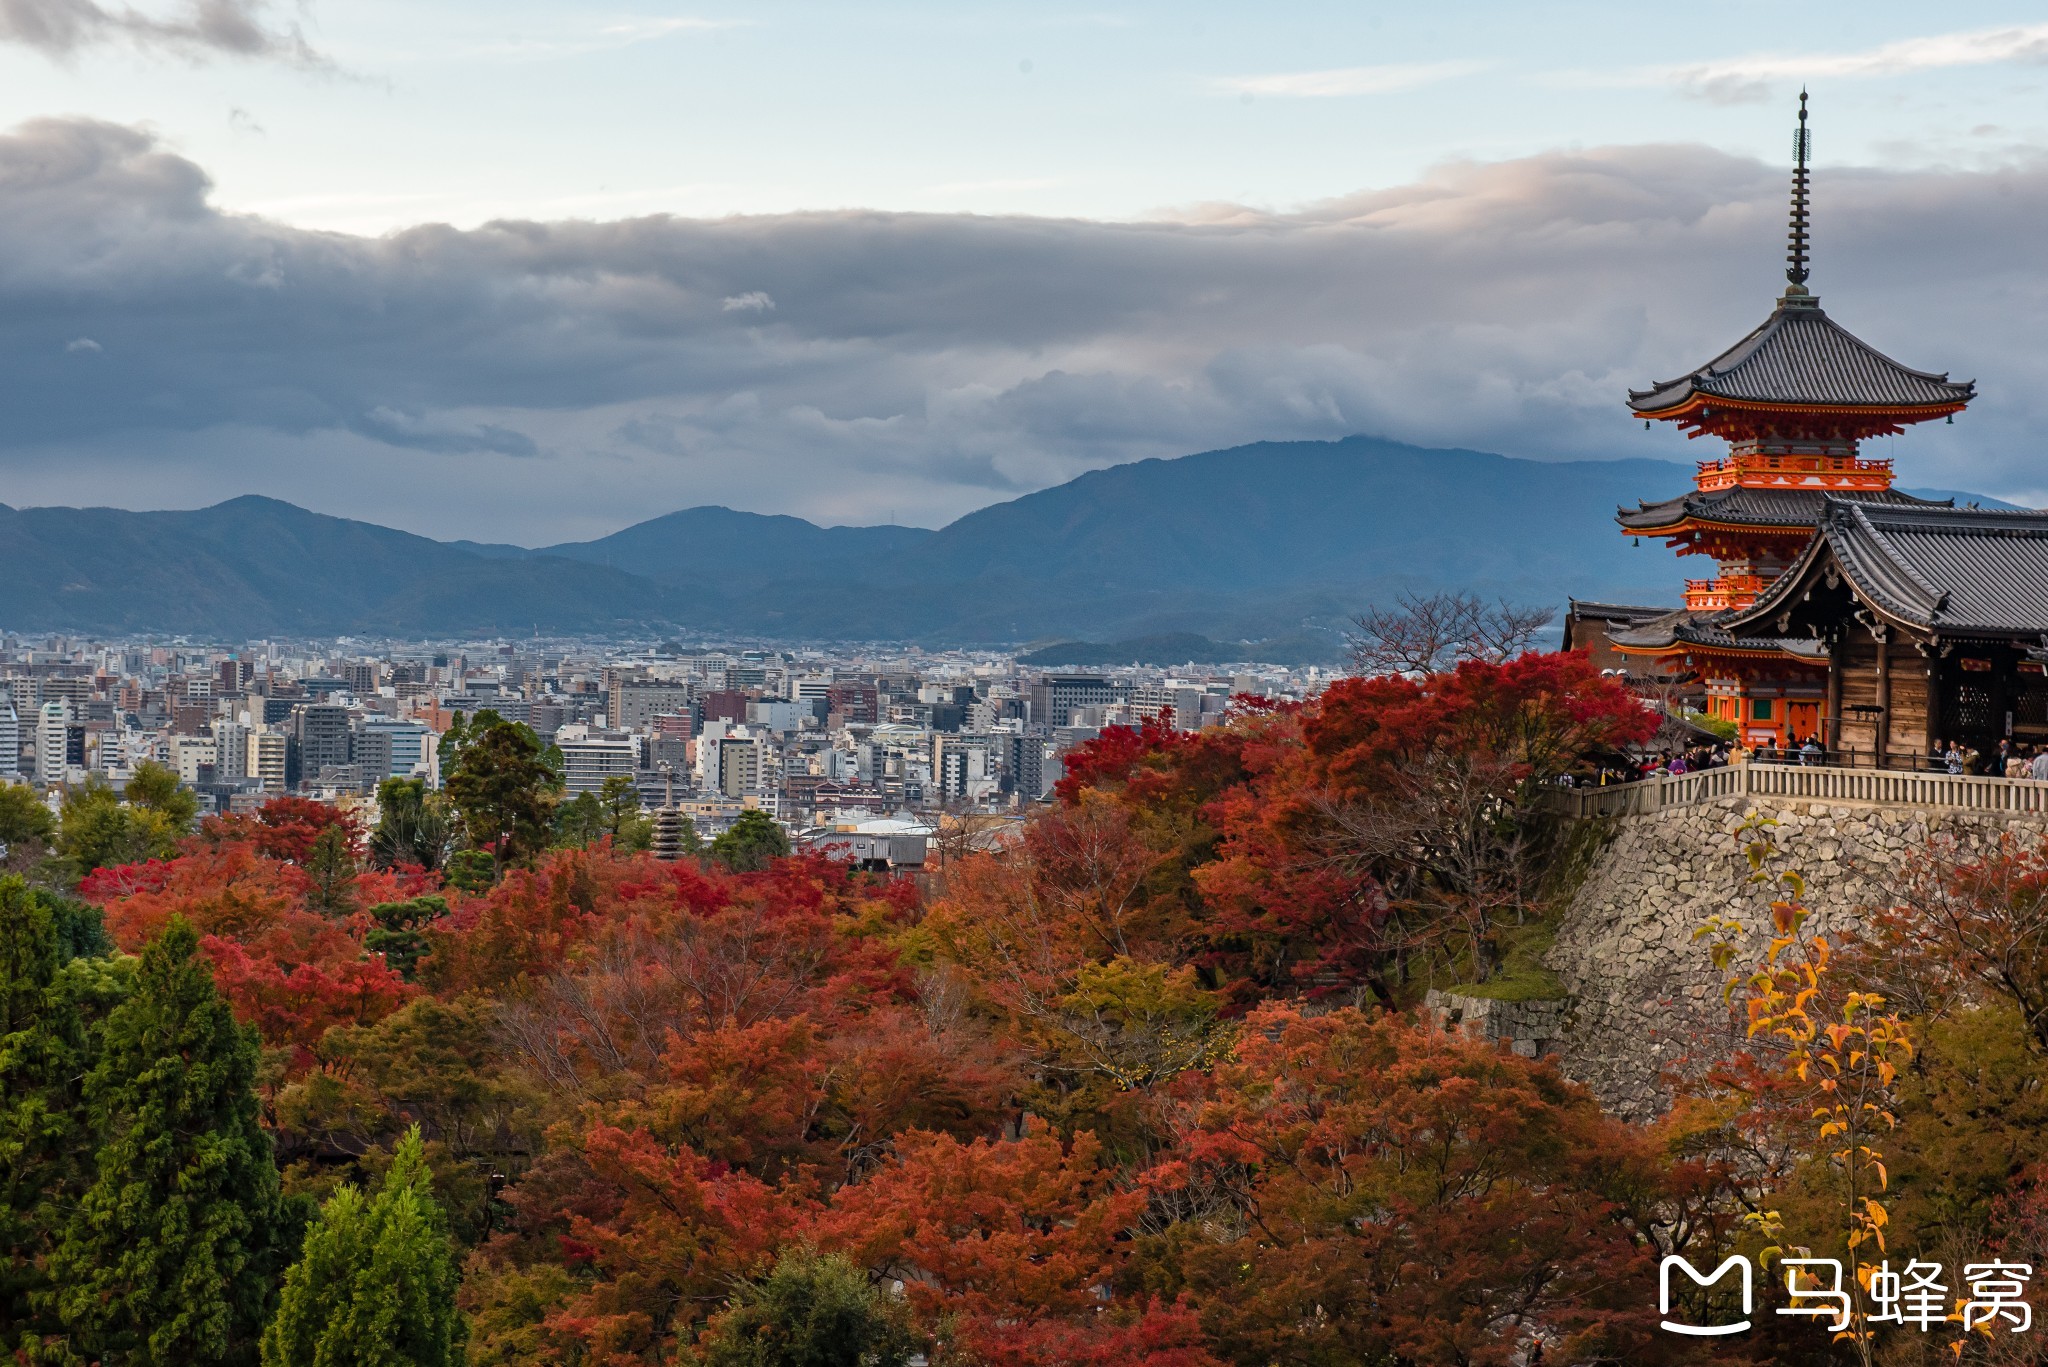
[1793, 400]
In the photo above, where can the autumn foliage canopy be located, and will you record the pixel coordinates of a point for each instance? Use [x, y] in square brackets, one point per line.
[1144, 1088]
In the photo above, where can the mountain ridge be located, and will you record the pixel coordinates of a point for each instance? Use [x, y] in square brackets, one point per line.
[1258, 542]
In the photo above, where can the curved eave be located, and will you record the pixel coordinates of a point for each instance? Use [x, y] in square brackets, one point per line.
[1787, 529]
[1697, 400]
[1756, 652]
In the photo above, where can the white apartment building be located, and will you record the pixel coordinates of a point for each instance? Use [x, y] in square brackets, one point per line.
[588, 758]
[10, 738]
[191, 754]
[60, 745]
[263, 759]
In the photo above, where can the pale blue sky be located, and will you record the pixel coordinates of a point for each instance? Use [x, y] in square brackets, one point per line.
[465, 110]
[982, 248]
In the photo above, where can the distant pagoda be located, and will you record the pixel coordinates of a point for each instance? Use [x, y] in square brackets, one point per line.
[1792, 400]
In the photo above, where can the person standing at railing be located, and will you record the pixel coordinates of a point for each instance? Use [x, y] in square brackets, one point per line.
[2038, 767]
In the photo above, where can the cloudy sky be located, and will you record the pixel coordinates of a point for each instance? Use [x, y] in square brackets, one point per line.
[531, 271]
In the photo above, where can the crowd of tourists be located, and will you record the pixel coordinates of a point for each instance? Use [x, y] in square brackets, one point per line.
[2009, 760]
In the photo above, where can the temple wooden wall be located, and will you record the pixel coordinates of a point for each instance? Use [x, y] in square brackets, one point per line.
[1906, 715]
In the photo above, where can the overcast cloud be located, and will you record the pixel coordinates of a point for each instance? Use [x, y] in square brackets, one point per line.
[189, 28]
[540, 381]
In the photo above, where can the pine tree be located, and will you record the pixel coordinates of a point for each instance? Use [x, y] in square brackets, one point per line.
[375, 1286]
[48, 1007]
[752, 844]
[811, 1311]
[169, 1257]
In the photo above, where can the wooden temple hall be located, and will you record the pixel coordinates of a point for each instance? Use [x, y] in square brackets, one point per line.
[1840, 608]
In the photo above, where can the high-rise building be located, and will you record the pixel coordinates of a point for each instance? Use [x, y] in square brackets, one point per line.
[264, 758]
[10, 737]
[1054, 697]
[231, 748]
[632, 704]
[60, 744]
[195, 758]
[319, 741]
[588, 760]
[388, 747]
[859, 703]
[1032, 768]
[739, 766]
[964, 766]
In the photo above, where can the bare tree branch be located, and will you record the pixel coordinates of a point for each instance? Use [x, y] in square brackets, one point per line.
[1428, 634]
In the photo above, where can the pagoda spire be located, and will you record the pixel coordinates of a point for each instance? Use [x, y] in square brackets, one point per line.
[1802, 151]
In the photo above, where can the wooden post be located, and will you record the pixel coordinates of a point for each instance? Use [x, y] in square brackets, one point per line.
[1883, 729]
[1931, 726]
[1831, 724]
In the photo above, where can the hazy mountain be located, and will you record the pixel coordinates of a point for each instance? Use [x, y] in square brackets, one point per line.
[1270, 542]
[255, 567]
[1253, 542]
[718, 545]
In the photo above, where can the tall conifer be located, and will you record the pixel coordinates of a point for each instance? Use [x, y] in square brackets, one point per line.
[375, 1286]
[170, 1256]
[48, 1007]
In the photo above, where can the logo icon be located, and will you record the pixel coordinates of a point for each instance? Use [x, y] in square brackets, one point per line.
[1734, 1260]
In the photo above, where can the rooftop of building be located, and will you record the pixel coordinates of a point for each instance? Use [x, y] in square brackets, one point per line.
[1745, 507]
[1944, 570]
[1801, 358]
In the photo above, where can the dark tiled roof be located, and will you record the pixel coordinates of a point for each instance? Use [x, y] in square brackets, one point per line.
[1801, 356]
[1759, 507]
[1586, 623]
[1613, 612]
[1708, 630]
[1954, 571]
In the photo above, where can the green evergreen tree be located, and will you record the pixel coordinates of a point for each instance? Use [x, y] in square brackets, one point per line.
[753, 841]
[48, 1007]
[400, 935]
[27, 826]
[503, 784]
[579, 821]
[811, 1311]
[412, 825]
[628, 826]
[96, 831]
[155, 790]
[170, 1256]
[331, 868]
[375, 1286]
[471, 871]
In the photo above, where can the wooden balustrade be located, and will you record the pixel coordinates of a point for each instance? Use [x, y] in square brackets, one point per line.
[1812, 783]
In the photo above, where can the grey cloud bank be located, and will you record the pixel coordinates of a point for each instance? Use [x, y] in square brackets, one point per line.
[192, 28]
[546, 381]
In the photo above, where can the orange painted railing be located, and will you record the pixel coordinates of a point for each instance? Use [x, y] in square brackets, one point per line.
[1729, 591]
[1763, 470]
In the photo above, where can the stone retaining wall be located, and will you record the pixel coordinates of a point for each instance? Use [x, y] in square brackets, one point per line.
[1643, 996]
[1533, 1029]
